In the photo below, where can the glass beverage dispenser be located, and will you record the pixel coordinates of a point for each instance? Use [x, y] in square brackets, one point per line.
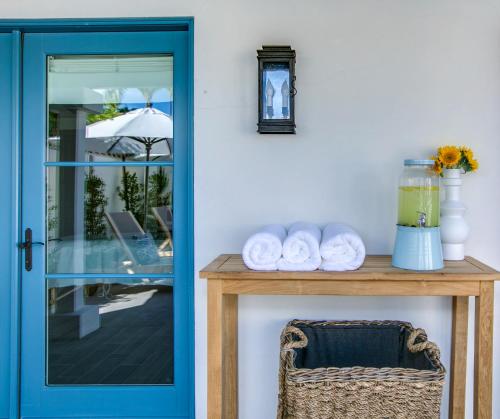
[418, 238]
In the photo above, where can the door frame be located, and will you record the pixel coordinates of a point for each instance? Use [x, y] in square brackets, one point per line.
[17, 27]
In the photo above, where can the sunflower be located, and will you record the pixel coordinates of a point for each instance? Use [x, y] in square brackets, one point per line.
[449, 155]
[454, 157]
[468, 154]
[438, 166]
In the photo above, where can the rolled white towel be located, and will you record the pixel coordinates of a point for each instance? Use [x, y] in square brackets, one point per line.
[301, 248]
[342, 248]
[263, 249]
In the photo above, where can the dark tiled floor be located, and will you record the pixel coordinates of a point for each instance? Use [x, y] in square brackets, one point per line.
[134, 344]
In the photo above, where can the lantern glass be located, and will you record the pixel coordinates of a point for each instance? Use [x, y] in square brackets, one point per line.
[276, 91]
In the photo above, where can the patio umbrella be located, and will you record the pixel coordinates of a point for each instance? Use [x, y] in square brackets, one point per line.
[142, 132]
[125, 147]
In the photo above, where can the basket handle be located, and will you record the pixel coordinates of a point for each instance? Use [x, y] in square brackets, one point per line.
[423, 344]
[287, 341]
[287, 354]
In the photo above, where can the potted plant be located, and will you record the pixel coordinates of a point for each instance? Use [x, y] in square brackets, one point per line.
[95, 206]
[451, 162]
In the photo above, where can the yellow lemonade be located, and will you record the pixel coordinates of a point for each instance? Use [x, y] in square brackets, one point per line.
[414, 200]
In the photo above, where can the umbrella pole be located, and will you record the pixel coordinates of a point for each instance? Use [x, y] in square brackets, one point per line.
[146, 181]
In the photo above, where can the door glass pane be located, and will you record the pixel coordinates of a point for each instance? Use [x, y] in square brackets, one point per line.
[110, 108]
[109, 331]
[96, 224]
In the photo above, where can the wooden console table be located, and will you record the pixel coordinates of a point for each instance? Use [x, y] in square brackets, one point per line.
[228, 277]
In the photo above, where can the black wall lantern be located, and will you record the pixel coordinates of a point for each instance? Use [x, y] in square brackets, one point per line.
[276, 90]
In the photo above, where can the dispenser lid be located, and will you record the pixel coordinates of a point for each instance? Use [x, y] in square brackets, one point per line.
[418, 162]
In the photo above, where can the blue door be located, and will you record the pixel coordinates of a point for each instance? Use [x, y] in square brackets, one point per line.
[106, 277]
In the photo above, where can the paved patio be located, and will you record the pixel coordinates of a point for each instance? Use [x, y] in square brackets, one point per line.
[133, 345]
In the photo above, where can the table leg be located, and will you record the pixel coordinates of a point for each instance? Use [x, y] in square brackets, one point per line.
[483, 356]
[222, 311]
[230, 354]
[458, 357]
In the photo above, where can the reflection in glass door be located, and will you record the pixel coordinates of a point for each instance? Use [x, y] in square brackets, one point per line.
[114, 163]
[109, 219]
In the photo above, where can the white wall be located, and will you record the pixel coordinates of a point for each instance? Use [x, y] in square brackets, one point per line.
[378, 81]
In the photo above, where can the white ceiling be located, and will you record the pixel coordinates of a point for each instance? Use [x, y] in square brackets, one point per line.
[99, 79]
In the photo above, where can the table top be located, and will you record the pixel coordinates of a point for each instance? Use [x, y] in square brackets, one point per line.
[375, 268]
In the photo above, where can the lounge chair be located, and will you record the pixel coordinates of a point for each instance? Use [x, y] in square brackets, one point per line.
[164, 217]
[139, 246]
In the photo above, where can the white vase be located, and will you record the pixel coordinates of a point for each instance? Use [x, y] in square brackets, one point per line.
[454, 228]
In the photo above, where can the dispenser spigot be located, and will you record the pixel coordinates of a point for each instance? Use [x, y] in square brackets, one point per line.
[422, 219]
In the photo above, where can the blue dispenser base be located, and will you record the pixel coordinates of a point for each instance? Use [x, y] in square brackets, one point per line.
[418, 249]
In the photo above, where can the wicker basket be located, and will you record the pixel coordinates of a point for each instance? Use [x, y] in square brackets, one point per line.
[358, 369]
